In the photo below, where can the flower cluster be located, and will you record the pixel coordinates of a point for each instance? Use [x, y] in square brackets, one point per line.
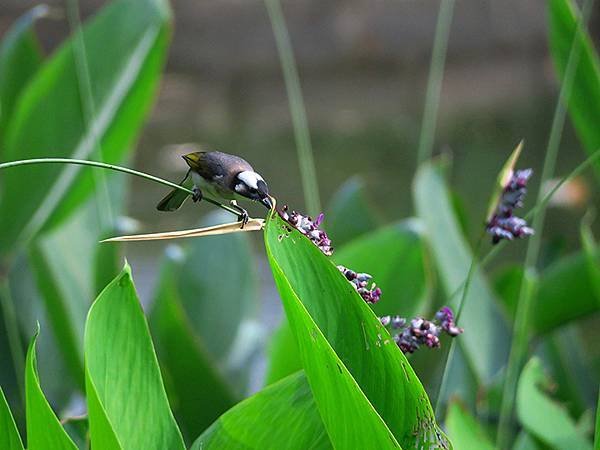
[411, 335]
[360, 281]
[503, 224]
[309, 228]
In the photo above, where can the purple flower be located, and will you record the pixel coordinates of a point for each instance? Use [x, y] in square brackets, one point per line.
[504, 224]
[420, 331]
[360, 281]
[309, 228]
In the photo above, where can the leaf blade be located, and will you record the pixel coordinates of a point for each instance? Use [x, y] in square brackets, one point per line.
[117, 337]
[305, 278]
[44, 431]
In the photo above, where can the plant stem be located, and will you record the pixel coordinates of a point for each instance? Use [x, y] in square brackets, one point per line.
[88, 107]
[12, 331]
[520, 331]
[306, 161]
[83, 162]
[459, 309]
[434, 81]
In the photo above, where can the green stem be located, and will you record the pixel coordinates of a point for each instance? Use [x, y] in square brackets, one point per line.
[459, 309]
[520, 332]
[308, 172]
[12, 330]
[434, 81]
[83, 162]
[88, 107]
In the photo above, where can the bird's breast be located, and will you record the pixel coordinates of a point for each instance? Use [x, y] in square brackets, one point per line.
[212, 188]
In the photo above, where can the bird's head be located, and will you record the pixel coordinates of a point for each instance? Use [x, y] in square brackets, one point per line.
[251, 185]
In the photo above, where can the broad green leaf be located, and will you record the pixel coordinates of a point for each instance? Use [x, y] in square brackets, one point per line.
[125, 46]
[44, 431]
[541, 416]
[197, 389]
[62, 262]
[568, 278]
[584, 101]
[350, 213]
[351, 362]
[217, 285]
[466, 433]
[127, 403]
[20, 58]
[283, 355]
[283, 415]
[9, 435]
[395, 256]
[485, 343]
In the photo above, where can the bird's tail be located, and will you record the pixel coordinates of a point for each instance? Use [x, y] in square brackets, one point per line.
[174, 199]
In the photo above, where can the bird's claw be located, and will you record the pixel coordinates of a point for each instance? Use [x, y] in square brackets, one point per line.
[197, 196]
[244, 217]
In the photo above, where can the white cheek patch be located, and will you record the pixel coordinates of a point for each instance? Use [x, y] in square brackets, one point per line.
[250, 178]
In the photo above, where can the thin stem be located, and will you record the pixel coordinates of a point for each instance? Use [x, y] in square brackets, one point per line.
[434, 81]
[12, 331]
[520, 331]
[83, 162]
[459, 309]
[105, 213]
[308, 172]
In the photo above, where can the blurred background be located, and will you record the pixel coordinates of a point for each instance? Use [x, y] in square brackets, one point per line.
[363, 68]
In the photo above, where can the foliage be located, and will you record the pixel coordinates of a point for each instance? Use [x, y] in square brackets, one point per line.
[186, 377]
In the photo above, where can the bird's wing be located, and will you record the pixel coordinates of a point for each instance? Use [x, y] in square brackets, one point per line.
[174, 199]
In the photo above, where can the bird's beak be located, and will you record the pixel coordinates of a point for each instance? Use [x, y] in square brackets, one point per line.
[267, 202]
[191, 159]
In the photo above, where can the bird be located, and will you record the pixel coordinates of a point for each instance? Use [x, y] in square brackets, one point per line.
[221, 176]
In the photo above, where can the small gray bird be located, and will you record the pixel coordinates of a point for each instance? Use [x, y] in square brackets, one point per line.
[220, 176]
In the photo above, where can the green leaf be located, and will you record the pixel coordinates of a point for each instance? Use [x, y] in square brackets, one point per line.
[213, 303]
[485, 344]
[395, 256]
[20, 58]
[568, 278]
[350, 213]
[127, 403]
[283, 354]
[465, 431]
[62, 262]
[44, 431]
[9, 437]
[584, 101]
[541, 416]
[351, 362]
[283, 415]
[197, 390]
[125, 46]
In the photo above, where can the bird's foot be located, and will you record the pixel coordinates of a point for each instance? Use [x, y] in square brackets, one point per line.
[243, 217]
[197, 194]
